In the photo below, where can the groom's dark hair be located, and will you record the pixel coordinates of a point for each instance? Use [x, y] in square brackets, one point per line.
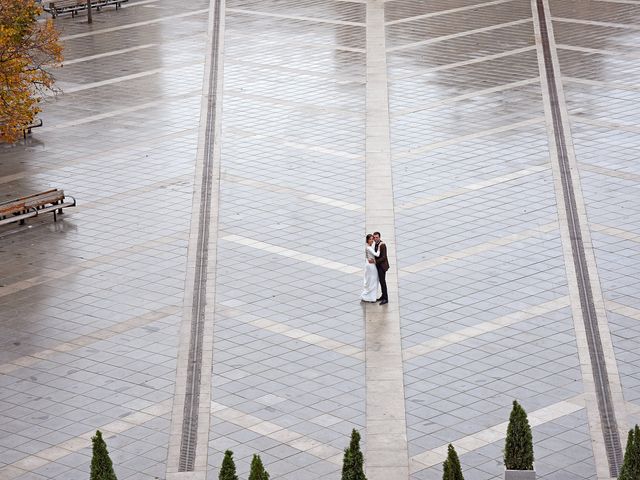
[377, 233]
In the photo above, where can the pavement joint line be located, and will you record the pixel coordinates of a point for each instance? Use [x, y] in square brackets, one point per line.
[288, 253]
[615, 232]
[475, 6]
[312, 197]
[85, 264]
[125, 78]
[485, 327]
[628, 176]
[296, 145]
[385, 416]
[610, 85]
[411, 152]
[605, 403]
[479, 248]
[69, 163]
[90, 338]
[466, 33]
[110, 53]
[466, 96]
[496, 433]
[299, 106]
[621, 309]
[595, 23]
[294, 17]
[303, 45]
[114, 113]
[134, 25]
[627, 2]
[463, 63]
[340, 79]
[191, 412]
[295, 333]
[137, 4]
[271, 430]
[601, 123]
[80, 442]
[475, 186]
[597, 51]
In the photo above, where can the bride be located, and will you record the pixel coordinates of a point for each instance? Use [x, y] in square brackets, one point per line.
[370, 291]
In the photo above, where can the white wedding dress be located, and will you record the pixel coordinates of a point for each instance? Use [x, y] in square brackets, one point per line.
[370, 291]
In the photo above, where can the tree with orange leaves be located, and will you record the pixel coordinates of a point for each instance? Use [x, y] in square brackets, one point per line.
[28, 49]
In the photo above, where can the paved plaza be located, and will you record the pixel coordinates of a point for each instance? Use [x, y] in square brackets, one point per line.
[228, 157]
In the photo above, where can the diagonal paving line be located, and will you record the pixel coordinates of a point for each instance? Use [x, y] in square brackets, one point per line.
[110, 53]
[475, 186]
[475, 249]
[459, 34]
[484, 327]
[285, 252]
[628, 176]
[466, 96]
[463, 63]
[634, 87]
[599, 51]
[494, 434]
[85, 264]
[625, 127]
[312, 197]
[56, 452]
[595, 23]
[288, 143]
[90, 338]
[310, 338]
[475, 6]
[134, 25]
[411, 152]
[624, 310]
[615, 232]
[294, 17]
[265, 428]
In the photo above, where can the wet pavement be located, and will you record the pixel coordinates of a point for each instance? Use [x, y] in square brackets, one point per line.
[94, 308]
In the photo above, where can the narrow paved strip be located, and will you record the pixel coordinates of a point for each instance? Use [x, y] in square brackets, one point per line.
[189, 435]
[386, 448]
[582, 279]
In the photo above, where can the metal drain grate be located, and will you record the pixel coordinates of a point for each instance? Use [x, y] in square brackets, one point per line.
[188, 442]
[596, 354]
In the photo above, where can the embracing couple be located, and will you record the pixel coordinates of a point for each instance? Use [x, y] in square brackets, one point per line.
[375, 269]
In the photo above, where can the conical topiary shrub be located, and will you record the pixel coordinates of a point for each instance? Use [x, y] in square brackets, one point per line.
[353, 463]
[451, 469]
[257, 469]
[631, 465]
[518, 449]
[228, 468]
[101, 465]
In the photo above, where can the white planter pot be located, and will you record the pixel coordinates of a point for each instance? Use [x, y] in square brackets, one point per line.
[519, 475]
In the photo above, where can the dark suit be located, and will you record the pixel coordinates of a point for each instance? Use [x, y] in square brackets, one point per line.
[382, 265]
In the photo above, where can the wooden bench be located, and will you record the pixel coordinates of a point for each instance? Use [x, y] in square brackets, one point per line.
[27, 130]
[49, 201]
[74, 6]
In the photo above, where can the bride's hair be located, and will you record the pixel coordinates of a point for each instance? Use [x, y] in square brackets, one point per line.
[369, 237]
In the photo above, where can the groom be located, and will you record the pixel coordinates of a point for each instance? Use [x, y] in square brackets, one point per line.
[382, 265]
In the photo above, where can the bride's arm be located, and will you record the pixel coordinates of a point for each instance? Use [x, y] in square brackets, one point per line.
[373, 251]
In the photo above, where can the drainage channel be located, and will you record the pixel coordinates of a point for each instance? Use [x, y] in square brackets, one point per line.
[189, 434]
[590, 319]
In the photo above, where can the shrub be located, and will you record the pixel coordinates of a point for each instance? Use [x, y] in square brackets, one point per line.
[257, 469]
[518, 449]
[353, 463]
[451, 469]
[228, 468]
[101, 465]
[631, 465]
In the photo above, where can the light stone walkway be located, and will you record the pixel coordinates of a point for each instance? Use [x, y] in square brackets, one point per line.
[430, 121]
